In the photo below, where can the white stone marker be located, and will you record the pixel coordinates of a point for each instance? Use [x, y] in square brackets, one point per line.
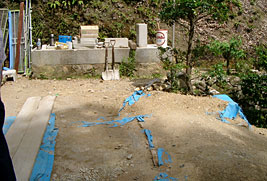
[141, 35]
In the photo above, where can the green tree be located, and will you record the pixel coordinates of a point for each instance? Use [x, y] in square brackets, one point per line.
[260, 60]
[188, 13]
[230, 50]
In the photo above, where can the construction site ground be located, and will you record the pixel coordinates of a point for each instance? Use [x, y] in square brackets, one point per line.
[201, 147]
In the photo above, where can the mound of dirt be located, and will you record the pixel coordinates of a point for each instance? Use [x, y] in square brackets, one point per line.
[201, 146]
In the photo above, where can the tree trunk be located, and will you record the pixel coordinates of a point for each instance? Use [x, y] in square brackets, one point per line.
[189, 54]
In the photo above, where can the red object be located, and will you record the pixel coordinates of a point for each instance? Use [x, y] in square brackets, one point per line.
[19, 35]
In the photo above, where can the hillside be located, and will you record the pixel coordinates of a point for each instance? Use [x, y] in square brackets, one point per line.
[117, 18]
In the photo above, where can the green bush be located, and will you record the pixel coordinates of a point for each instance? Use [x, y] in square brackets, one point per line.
[128, 67]
[260, 60]
[254, 98]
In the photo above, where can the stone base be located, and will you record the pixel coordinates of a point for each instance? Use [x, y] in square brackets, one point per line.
[92, 70]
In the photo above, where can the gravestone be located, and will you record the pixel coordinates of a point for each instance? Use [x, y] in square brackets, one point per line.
[141, 35]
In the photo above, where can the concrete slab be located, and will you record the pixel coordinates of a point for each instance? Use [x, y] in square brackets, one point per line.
[120, 42]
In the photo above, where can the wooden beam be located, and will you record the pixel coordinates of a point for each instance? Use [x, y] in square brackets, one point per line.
[19, 127]
[25, 156]
[19, 35]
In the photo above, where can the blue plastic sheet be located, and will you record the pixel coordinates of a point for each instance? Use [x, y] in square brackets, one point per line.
[133, 98]
[8, 122]
[164, 177]
[44, 162]
[160, 157]
[149, 138]
[232, 110]
[116, 123]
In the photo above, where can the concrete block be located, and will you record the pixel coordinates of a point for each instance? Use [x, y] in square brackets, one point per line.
[90, 31]
[141, 35]
[120, 42]
[86, 40]
[76, 56]
[150, 54]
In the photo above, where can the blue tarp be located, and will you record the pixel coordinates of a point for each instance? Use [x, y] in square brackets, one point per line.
[116, 123]
[232, 109]
[160, 154]
[44, 162]
[149, 138]
[8, 122]
[164, 177]
[133, 98]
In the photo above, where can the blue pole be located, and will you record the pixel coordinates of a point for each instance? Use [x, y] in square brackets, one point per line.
[11, 57]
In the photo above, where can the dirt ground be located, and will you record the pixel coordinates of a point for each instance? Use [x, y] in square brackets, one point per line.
[201, 146]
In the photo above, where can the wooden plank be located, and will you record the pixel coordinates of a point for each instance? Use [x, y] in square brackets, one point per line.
[154, 154]
[25, 156]
[18, 129]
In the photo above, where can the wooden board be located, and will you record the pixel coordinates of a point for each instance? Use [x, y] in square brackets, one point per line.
[25, 156]
[154, 154]
[19, 127]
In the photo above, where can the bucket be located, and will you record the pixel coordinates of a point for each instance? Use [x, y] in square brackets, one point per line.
[161, 38]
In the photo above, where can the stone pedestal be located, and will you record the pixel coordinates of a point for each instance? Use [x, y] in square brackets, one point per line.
[141, 35]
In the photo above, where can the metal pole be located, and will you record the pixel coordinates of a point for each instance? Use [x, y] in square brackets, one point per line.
[11, 54]
[173, 32]
[26, 38]
[30, 28]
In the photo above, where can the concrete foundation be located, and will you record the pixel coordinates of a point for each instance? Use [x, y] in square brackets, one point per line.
[63, 63]
[76, 56]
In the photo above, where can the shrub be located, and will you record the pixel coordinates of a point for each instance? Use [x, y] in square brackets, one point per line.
[128, 67]
[254, 98]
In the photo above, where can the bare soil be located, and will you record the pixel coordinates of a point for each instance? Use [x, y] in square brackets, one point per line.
[201, 146]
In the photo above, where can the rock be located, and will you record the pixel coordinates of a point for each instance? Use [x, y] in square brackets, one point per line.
[91, 90]
[105, 97]
[118, 147]
[150, 88]
[132, 44]
[129, 157]
[213, 92]
[68, 79]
